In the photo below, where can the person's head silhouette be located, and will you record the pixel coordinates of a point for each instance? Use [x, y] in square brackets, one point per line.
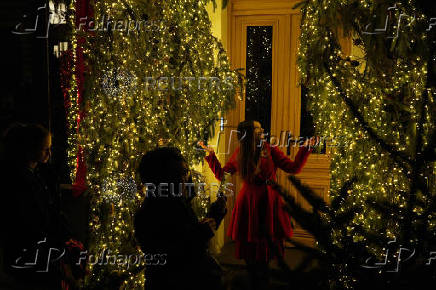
[27, 145]
[167, 168]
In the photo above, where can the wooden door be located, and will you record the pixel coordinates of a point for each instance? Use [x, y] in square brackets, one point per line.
[285, 93]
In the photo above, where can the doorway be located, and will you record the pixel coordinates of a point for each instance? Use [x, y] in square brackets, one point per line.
[263, 41]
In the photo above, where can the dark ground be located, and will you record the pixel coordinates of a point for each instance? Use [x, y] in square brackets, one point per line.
[235, 272]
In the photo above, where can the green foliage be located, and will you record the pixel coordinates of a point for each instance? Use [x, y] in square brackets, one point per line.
[156, 75]
[381, 99]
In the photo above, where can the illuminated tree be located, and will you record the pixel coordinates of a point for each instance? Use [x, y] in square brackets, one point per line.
[380, 100]
[156, 75]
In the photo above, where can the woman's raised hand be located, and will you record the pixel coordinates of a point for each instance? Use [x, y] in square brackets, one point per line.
[209, 149]
[313, 141]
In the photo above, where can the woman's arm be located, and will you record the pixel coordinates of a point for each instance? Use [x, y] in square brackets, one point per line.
[287, 165]
[215, 165]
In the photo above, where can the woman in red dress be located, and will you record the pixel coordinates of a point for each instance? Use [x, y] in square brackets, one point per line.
[258, 214]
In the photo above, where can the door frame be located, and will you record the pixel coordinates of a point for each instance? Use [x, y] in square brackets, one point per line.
[239, 14]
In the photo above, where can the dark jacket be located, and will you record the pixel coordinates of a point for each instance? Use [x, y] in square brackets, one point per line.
[30, 223]
[169, 228]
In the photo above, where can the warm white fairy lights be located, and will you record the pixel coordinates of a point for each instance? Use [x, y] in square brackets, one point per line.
[125, 117]
[388, 94]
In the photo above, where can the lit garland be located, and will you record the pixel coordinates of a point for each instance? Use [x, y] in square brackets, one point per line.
[127, 114]
[72, 109]
[388, 87]
[201, 201]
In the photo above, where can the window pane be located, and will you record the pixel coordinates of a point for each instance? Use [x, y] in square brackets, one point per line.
[259, 75]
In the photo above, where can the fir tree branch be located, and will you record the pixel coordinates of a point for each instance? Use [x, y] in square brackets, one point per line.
[316, 253]
[340, 199]
[429, 153]
[353, 108]
[308, 220]
[317, 202]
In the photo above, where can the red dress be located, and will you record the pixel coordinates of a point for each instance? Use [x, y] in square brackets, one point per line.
[258, 204]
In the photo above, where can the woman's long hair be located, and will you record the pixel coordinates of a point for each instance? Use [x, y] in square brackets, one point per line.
[248, 156]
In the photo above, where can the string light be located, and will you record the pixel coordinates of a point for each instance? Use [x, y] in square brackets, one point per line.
[388, 98]
[125, 115]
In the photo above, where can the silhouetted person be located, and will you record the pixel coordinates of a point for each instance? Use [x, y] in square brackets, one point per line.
[29, 211]
[166, 226]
